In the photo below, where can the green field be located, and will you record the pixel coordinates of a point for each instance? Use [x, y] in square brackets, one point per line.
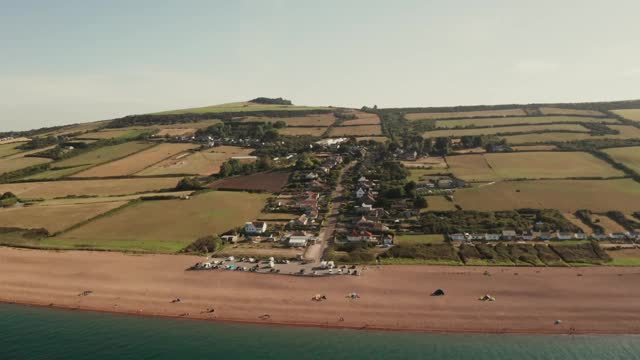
[236, 107]
[89, 159]
[564, 195]
[419, 239]
[168, 225]
[520, 120]
[125, 133]
[9, 149]
[629, 156]
[631, 114]
[504, 130]
[626, 132]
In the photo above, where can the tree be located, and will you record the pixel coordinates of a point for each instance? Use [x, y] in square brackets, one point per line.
[189, 184]
[420, 202]
[410, 188]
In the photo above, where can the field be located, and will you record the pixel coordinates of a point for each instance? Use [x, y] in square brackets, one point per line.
[504, 130]
[465, 114]
[237, 107]
[363, 119]
[111, 187]
[564, 195]
[170, 225]
[547, 110]
[631, 114]
[339, 131]
[426, 162]
[54, 218]
[608, 224]
[417, 174]
[624, 257]
[520, 120]
[272, 182]
[7, 149]
[577, 222]
[136, 162]
[439, 203]
[534, 148]
[297, 131]
[471, 168]
[317, 120]
[419, 239]
[88, 159]
[76, 128]
[380, 139]
[629, 156]
[206, 162]
[626, 132]
[548, 165]
[125, 133]
[12, 164]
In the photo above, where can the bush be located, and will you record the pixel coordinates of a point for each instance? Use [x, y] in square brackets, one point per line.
[188, 184]
[207, 244]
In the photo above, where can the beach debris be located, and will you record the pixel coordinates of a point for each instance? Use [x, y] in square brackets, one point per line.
[353, 296]
[487, 297]
[208, 311]
[557, 322]
[318, 297]
[486, 273]
[438, 292]
[176, 300]
[86, 293]
[264, 317]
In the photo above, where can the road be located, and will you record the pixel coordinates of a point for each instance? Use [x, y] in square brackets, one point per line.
[314, 252]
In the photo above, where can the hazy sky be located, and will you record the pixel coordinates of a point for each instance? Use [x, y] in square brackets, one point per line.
[73, 61]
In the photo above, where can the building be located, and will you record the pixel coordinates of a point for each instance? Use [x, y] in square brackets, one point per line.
[565, 235]
[360, 192]
[492, 237]
[298, 239]
[508, 235]
[255, 227]
[528, 236]
[229, 238]
[362, 235]
[457, 237]
[302, 220]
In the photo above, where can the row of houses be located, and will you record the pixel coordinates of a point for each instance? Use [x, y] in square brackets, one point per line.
[367, 236]
[511, 235]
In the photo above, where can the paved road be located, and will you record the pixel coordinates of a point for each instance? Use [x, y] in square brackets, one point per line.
[314, 252]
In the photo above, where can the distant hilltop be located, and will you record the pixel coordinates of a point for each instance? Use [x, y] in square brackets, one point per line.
[271, 101]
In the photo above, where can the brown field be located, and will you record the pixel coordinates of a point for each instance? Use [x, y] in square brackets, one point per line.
[8, 148]
[317, 120]
[15, 140]
[477, 150]
[629, 156]
[608, 224]
[340, 131]
[504, 130]
[381, 139]
[176, 222]
[630, 114]
[549, 165]
[560, 111]
[471, 168]
[426, 162]
[55, 189]
[626, 132]
[136, 162]
[9, 164]
[534, 120]
[534, 148]
[54, 218]
[564, 195]
[439, 203]
[577, 222]
[273, 182]
[297, 131]
[465, 114]
[106, 199]
[205, 162]
[175, 132]
[363, 119]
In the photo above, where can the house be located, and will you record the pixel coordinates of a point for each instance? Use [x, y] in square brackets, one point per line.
[255, 227]
[364, 209]
[618, 236]
[508, 235]
[312, 215]
[564, 235]
[580, 236]
[634, 235]
[545, 236]
[444, 184]
[457, 237]
[476, 237]
[528, 236]
[599, 236]
[492, 237]
[364, 223]
[360, 192]
[229, 238]
[387, 240]
[362, 235]
[311, 176]
[302, 220]
[298, 239]
[368, 199]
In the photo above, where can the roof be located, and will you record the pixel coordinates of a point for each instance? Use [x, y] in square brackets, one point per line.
[508, 233]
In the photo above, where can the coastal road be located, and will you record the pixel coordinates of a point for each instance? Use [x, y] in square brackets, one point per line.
[314, 252]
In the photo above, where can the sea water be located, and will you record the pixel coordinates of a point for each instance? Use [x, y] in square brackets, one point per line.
[40, 333]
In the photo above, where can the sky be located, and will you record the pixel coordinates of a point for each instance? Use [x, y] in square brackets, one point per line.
[70, 61]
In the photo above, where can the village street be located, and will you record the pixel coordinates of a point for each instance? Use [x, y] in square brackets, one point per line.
[315, 252]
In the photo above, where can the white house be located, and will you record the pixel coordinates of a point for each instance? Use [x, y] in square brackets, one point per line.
[255, 227]
[229, 238]
[564, 235]
[492, 237]
[298, 239]
[360, 193]
[457, 237]
[311, 176]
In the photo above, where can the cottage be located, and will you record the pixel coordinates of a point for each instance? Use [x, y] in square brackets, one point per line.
[362, 235]
[508, 235]
[311, 176]
[580, 236]
[368, 199]
[364, 208]
[618, 236]
[545, 236]
[364, 223]
[255, 227]
[387, 240]
[492, 237]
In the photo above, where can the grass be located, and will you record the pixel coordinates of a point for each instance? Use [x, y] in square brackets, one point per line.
[9, 149]
[504, 130]
[296, 131]
[206, 162]
[629, 156]
[471, 168]
[419, 239]
[236, 107]
[9, 164]
[534, 148]
[136, 162]
[520, 120]
[548, 110]
[363, 130]
[318, 120]
[111, 187]
[630, 114]
[175, 221]
[89, 159]
[564, 195]
[116, 134]
[439, 203]
[464, 114]
[624, 257]
[626, 132]
[417, 174]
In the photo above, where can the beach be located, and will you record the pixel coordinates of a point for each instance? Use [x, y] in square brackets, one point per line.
[593, 300]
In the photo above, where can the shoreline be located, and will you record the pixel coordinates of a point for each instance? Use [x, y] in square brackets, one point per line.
[592, 301]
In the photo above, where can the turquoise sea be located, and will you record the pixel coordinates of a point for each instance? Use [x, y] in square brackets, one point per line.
[39, 333]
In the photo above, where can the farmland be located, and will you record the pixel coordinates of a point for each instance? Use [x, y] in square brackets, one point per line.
[630, 114]
[626, 132]
[12, 164]
[116, 134]
[315, 120]
[471, 168]
[426, 162]
[504, 130]
[7, 149]
[486, 122]
[363, 119]
[464, 114]
[273, 182]
[299, 131]
[548, 165]
[548, 110]
[339, 131]
[56, 189]
[89, 159]
[565, 195]
[439, 203]
[205, 162]
[54, 218]
[534, 148]
[629, 156]
[143, 225]
[419, 239]
[136, 162]
[237, 107]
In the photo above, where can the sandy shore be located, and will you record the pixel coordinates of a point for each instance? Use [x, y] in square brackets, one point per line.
[529, 300]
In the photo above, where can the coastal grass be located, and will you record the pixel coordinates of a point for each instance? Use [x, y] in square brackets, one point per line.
[438, 203]
[626, 132]
[313, 120]
[9, 164]
[9, 149]
[624, 257]
[124, 133]
[550, 110]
